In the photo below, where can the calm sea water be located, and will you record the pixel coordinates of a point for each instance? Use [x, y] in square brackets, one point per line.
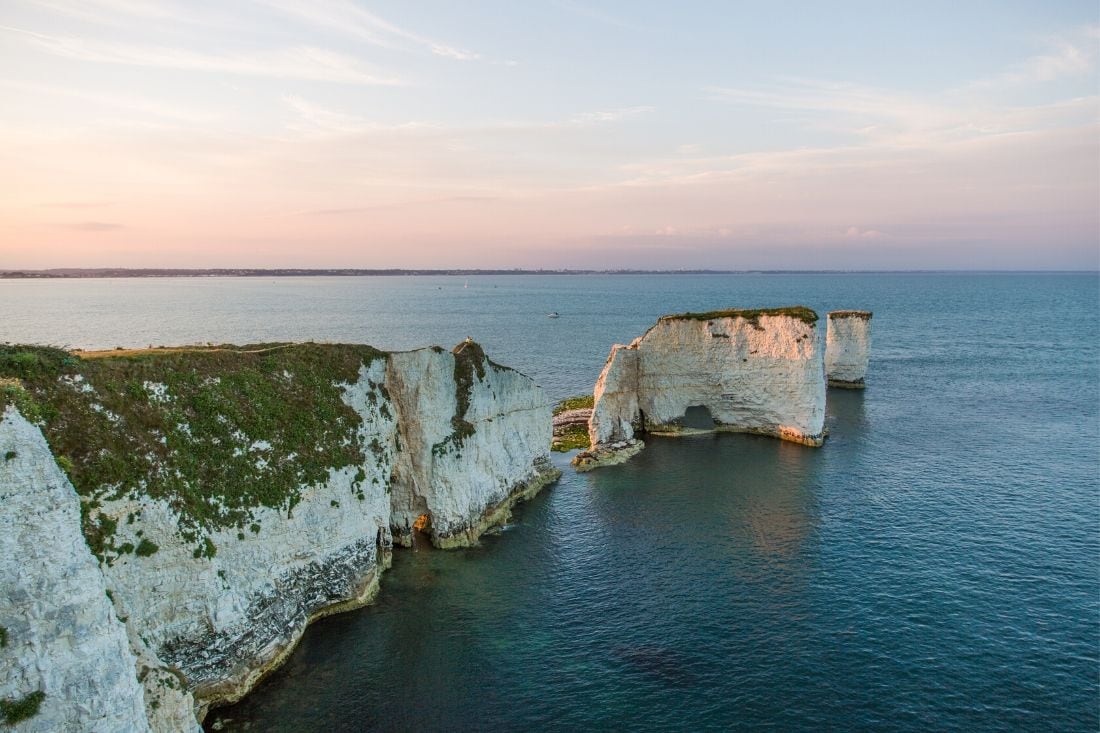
[935, 566]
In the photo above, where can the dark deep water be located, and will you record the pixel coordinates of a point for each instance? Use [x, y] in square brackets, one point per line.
[935, 566]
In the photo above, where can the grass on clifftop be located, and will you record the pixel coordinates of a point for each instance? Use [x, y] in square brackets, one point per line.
[580, 402]
[215, 432]
[753, 315]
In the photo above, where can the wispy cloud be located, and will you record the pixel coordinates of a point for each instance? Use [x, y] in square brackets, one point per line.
[74, 205]
[94, 226]
[609, 115]
[592, 13]
[118, 12]
[861, 233]
[348, 18]
[1068, 56]
[398, 205]
[303, 62]
[315, 119]
[894, 117]
[116, 102]
[860, 110]
[898, 119]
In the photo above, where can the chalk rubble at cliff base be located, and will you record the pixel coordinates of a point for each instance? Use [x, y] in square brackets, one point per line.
[134, 598]
[754, 371]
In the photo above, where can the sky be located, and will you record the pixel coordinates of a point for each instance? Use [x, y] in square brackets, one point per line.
[553, 134]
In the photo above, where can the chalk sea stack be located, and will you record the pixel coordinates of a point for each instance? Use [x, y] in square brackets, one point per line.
[848, 348]
[753, 370]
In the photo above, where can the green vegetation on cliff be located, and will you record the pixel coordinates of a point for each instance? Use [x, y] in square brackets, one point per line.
[18, 710]
[469, 362]
[573, 437]
[215, 432]
[579, 402]
[753, 315]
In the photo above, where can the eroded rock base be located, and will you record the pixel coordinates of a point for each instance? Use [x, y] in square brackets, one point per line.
[843, 384]
[609, 455]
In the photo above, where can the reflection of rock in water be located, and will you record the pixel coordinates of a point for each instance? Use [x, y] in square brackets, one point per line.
[667, 665]
[776, 519]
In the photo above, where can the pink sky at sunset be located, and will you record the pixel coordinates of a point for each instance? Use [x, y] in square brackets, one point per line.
[340, 134]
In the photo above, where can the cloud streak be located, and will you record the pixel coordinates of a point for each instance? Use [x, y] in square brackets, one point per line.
[301, 62]
[1067, 57]
[94, 226]
[350, 19]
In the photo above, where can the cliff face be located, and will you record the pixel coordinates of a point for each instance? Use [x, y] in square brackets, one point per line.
[61, 641]
[848, 348]
[755, 371]
[239, 494]
[475, 435]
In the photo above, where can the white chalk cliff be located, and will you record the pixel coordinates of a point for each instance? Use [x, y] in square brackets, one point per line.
[848, 348]
[61, 640]
[149, 639]
[755, 371]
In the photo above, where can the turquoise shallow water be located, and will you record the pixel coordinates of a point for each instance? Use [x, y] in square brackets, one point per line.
[935, 566]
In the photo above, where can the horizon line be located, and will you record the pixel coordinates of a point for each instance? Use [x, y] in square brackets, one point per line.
[151, 272]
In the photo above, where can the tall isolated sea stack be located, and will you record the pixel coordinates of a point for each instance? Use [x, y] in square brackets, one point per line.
[754, 371]
[171, 520]
[848, 348]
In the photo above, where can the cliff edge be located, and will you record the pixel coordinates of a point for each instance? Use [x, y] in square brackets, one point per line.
[194, 509]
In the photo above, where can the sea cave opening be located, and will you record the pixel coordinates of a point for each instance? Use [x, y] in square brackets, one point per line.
[422, 532]
[698, 417]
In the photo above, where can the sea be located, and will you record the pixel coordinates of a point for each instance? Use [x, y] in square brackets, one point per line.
[935, 566]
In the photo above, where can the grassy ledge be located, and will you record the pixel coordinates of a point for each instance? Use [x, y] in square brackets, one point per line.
[865, 315]
[753, 315]
[580, 402]
[215, 432]
[575, 437]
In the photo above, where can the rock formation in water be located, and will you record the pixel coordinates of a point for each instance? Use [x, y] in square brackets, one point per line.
[755, 371]
[211, 502]
[847, 348]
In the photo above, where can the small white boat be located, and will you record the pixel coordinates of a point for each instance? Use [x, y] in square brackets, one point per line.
[552, 314]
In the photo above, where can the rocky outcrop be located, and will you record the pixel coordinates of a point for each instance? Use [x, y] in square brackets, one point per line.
[756, 371]
[563, 421]
[475, 437]
[259, 489]
[847, 348]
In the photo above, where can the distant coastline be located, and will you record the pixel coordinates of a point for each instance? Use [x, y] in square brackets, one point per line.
[115, 272]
